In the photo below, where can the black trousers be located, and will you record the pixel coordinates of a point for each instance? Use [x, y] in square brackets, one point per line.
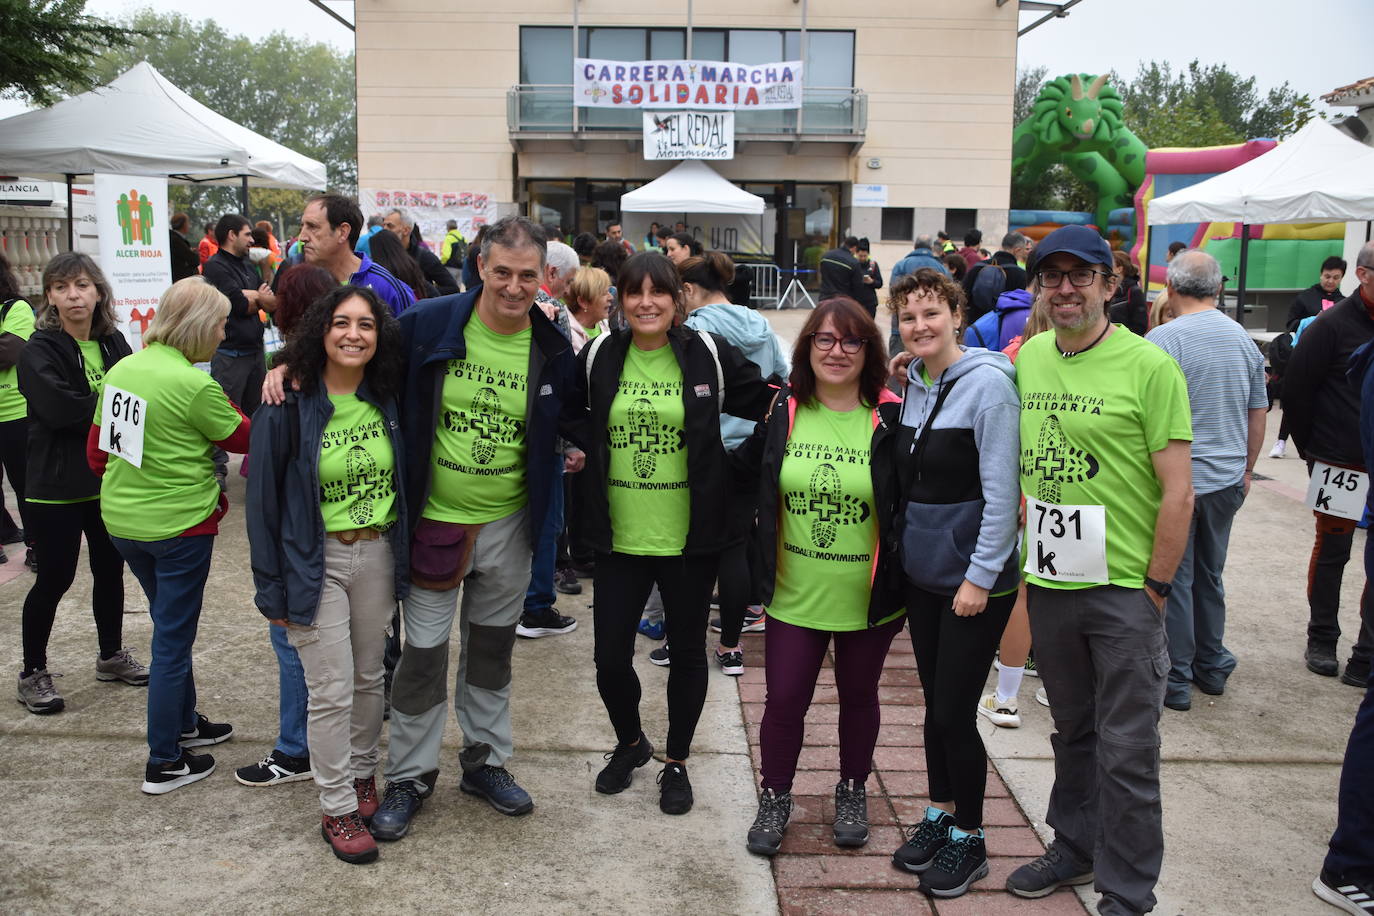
[623, 582]
[14, 449]
[55, 531]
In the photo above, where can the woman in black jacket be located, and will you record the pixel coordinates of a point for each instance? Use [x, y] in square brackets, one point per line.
[652, 396]
[75, 342]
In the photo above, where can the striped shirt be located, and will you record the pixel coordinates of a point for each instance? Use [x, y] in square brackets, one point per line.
[1225, 374]
[391, 291]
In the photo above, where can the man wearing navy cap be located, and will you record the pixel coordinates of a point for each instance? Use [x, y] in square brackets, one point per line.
[1106, 472]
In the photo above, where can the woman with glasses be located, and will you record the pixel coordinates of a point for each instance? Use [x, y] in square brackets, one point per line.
[824, 516]
[958, 497]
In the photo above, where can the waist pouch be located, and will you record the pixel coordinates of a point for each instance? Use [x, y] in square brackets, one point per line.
[440, 553]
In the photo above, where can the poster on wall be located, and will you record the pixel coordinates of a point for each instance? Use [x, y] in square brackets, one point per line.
[689, 135]
[131, 215]
[432, 210]
[733, 232]
[707, 84]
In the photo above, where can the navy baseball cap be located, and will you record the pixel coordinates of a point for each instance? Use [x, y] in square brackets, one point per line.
[1079, 241]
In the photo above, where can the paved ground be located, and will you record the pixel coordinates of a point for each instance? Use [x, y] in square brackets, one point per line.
[1249, 779]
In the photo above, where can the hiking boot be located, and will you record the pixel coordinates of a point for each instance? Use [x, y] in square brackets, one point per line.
[1045, 875]
[651, 628]
[499, 788]
[565, 582]
[851, 813]
[962, 861]
[1322, 660]
[765, 836]
[924, 841]
[660, 656]
[1353, 895]
[617, 775]
[731, 663]
[1356, 673]
[1000, 713]
[755, 620]
[347, 835]
[161, 778]
[534, 624]
[206, 733]
[38, 694]
[400, 802]
[674, 789]
[366, 790]
[275, 769]
[121, 667]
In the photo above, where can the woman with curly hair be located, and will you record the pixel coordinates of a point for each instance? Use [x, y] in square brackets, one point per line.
[323, 507]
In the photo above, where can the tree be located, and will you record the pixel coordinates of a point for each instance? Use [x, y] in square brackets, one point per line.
[51, 44]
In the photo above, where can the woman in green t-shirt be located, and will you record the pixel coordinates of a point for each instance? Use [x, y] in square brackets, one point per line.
[324, 500]
[16, 324]
[61, 372]
[823, 520]
[156, 426]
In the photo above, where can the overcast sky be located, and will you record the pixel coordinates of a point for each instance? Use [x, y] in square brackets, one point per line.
[1275, 41]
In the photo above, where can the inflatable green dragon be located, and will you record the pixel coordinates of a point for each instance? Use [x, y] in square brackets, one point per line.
[1081, 127]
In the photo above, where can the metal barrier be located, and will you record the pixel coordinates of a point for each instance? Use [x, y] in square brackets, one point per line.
[765, 284]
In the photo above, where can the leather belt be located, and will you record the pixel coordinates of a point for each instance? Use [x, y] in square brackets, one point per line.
[355, 535]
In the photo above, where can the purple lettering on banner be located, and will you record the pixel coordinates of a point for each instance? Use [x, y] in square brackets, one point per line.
[678, 74]
[662, 73]
[634, 74]
[741, 75]
[605, 74]
[619, 73]
[708, 74]
[589, 72]
[787, 76]
[755, 76]
[726, 76]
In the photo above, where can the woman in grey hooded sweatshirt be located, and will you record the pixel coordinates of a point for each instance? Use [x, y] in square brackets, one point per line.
[957, 482]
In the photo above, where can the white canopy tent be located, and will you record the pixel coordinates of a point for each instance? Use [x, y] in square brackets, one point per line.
[689, 187]
[1318, 175]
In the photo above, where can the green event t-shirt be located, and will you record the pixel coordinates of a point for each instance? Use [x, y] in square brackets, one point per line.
[19, 322]
[827, 531]
[650, 502]
[1088, 427]
[594, 331]
[478, 463]
[175, 488]
[357, 467]
[93, 364]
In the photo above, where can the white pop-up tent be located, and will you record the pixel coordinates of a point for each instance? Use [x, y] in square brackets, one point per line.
[690, 187]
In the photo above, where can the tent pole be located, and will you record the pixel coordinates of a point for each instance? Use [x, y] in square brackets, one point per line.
[1145, 270]
[1240, 285]
[243, 194]
[71, 217]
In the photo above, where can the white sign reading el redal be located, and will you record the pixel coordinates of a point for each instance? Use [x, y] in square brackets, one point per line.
[689, 135]
[131, 214]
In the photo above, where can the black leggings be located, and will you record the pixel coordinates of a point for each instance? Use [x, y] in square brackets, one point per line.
[623, 582]
[953, 655]
[55, 532]
[14, 448]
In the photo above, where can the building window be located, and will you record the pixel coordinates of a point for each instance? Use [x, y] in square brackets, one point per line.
[959, 221]
[898, 223]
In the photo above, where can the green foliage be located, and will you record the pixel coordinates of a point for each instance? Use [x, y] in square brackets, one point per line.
[53, 43]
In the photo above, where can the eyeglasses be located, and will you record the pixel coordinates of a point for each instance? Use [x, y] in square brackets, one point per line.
[1079, 277]
[826, 341]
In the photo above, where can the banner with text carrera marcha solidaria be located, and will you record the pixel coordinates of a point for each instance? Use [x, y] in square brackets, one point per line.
[708, 84]
[131, 223]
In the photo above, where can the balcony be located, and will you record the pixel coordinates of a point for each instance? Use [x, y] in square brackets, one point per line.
[546, 112]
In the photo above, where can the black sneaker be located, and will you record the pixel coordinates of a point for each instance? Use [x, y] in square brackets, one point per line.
[534, 624]
[661, 657]
[924, 841]
[1047, 874]
[755, 620]
[731, 663]
[400, 803]
[584, 570]
[206, 733]
[275, 769]
[1322, 660]
[617, 775]
[30, 560]
[161, 778]
[674, 790]
[851, 813]
[962, 861]
[765, 836]
[1356, 674]
[14, 537]
[1354, 895]
[565, 582]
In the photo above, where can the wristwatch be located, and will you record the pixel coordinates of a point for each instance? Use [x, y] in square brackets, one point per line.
[1161, 589]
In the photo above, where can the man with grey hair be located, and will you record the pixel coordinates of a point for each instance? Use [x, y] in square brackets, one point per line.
[400, 223]
[1323, 410]
[1226, 392]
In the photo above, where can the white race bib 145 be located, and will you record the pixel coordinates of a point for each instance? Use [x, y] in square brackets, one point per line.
[122, 421]
[1066, 543]
[1337, 491]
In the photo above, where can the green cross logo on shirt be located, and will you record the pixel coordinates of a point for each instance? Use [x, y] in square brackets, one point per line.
[827, 505]
[647, 436]
[1055, 462]
[488, 422]
[363, 484]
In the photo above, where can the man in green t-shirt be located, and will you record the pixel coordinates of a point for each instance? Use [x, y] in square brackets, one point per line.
[1106, 472]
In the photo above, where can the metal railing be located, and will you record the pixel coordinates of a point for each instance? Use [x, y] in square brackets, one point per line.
[825, 111]
[764, 280]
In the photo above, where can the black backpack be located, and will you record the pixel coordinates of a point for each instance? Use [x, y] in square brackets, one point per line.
[1280, 351]
[457, 251]
[990, 283]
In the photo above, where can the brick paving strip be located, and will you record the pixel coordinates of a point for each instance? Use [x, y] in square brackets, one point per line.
[815, 877]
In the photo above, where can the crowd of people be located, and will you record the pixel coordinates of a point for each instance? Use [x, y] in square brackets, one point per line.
[1019, 469]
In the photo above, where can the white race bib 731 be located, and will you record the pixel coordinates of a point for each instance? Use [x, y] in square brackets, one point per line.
[122, 420]
[1337, 491]
[1066, 543]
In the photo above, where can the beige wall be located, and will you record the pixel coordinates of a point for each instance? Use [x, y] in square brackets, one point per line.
[433, 75]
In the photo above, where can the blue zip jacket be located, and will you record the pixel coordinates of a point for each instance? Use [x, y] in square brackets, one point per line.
[285, 525]
[432, 334]
[914, 261]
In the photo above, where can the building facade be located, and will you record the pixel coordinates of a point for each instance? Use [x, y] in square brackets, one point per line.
[909, 102]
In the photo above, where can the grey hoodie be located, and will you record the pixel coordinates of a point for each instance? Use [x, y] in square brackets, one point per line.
[961, 487]
[751, 334]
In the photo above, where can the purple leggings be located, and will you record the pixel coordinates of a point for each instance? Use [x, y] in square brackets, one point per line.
[793, 660]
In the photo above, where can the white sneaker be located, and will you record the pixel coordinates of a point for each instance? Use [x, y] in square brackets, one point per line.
[1042, 698]
[1279, 448]
[1003, 715]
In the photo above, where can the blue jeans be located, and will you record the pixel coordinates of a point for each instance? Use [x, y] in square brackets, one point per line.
[292, 696]
[1352, 845]
[172, 573]
[539, 596]
[1195, 614]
